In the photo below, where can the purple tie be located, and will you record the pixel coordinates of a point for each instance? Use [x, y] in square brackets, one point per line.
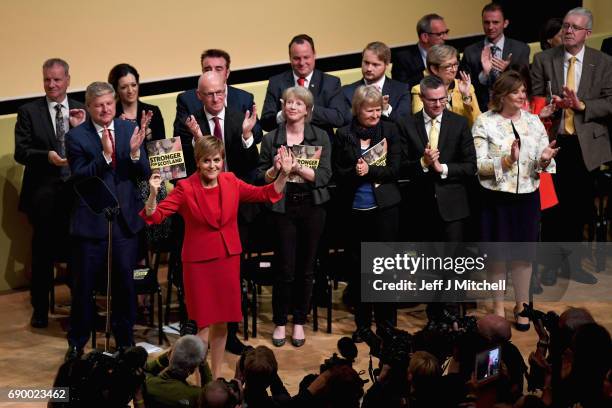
[217, 131]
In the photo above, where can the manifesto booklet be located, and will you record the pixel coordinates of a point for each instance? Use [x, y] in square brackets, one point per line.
[166, 158]
[307, 156]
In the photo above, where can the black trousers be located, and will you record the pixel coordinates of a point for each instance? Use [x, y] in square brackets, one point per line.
[90, 272]
[298, 232]
[377, 225]
[50, 241]
[574, 185]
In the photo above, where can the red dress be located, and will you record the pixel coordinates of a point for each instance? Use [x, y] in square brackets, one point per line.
[211, 248]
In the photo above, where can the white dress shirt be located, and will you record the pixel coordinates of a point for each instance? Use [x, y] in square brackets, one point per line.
[65, 112]
[428, 124]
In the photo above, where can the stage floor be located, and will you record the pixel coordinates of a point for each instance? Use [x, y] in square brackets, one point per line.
[31, 357]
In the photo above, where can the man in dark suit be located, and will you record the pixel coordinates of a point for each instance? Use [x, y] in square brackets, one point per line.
[580, 79]
[46, 194]
[112, 150]
[438, 156]
[487, 58]
[187, 103]
[409, 64]
[376, 56]
[233, 127]
[328, 107]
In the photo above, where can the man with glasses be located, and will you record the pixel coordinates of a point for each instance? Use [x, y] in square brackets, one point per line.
[408, 65]
[580, 81]
[439, 157]
[485, 60]
[187, 103]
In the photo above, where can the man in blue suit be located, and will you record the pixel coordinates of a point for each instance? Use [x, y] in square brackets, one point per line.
[375, 58]
[187, 103]
[112, 150]
[328, 106]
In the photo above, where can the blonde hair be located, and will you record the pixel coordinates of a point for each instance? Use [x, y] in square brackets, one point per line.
[437, 54]
[304, 95]
[365, 95]
[208, 146]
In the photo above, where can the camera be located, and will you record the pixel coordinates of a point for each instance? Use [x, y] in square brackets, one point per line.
[397, 345]
[348, 350]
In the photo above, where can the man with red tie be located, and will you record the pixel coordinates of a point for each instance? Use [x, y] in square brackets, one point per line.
[328, 107]
[112, 150]
[233, 127]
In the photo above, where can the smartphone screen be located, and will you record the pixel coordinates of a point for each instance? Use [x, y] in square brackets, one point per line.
[488, 364]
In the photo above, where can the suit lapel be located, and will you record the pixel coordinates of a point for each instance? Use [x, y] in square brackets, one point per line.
[196, 185]
[443, 130]
[420, 126]
[315, 82]
[289, 82]
[586, 77]
[48, 123]
[558, 74]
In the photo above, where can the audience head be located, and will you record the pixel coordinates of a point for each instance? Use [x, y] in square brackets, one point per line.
[343, 388]
[297, 104]
[495, 329]
[217, 61]
[431, 30]
[260, 367]
[508, 92]
[211, 91]
[442, 62]
[56, 79]
[434, 95]
[100, 102]
[493, 21]
[551, 35]
[367, 105]
[218, 394]
[423, 370]
[375, 58]
[187, 354]
[577, 26]
[302, 55]
[125, 79]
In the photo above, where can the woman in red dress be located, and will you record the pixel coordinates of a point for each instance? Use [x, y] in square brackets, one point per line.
[208, 201]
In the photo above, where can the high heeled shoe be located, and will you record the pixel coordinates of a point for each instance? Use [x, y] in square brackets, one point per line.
[523, 327]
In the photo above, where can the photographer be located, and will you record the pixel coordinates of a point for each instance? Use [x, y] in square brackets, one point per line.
[103, 380]
[222, 394]
[258, 369]
[166, 381]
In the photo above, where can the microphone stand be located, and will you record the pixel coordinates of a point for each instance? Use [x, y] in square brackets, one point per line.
[109, 214]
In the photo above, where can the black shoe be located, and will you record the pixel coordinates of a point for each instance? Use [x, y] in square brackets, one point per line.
[72, 353]
[582, 276]
[234, 345]
[298, 342]
[548, 277]
[39, 321]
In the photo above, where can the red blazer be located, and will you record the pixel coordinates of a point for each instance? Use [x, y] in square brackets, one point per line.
[205, 238]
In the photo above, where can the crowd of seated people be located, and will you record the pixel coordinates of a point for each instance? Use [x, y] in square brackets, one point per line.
[460, 121]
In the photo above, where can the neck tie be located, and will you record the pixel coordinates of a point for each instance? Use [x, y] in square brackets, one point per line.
[113, 155]
[434, 132]
[301, 81]
[60, 131]
[494, 74]
[217, 131]
[570, 82]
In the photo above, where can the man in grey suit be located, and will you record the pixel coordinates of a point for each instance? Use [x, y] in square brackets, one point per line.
[580, 80]
[487, 58]
[46, 191]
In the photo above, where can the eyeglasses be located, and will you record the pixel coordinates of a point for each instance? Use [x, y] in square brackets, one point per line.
[435, 101]
[440, 34]
[213, 94]
[574, 27]
[449, 67]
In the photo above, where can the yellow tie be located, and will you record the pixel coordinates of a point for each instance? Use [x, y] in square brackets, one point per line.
[434, 132]
[571, 84]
